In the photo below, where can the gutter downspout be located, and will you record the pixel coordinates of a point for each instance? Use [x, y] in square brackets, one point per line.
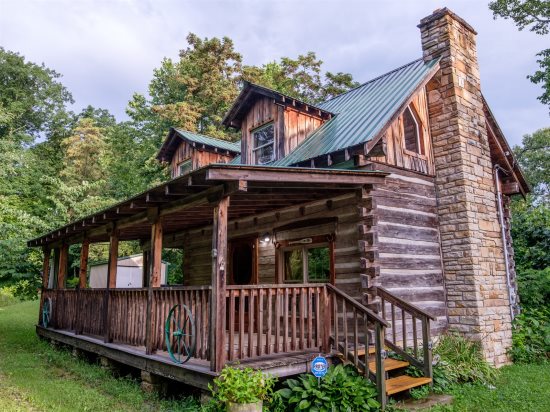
[511, 292]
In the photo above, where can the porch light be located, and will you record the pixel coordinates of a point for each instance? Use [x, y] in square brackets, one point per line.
[265, 238]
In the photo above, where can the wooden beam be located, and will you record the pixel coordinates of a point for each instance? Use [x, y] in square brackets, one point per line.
[111, 282]
[219, 263]
[46, 267]
[156, 253]
[63, 265]
[83, 263]
[510, 188]
[155, 276]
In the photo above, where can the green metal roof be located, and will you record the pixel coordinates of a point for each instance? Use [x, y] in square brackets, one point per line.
[361, 113]
[210, 141]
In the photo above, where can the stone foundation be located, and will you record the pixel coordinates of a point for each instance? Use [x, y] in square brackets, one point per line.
[474, 268]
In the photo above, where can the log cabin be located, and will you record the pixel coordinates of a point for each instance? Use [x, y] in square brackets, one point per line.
[371, 222]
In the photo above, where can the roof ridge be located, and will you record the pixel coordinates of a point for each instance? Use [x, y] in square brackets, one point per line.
[373, 80]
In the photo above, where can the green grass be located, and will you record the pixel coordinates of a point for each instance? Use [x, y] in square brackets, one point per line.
[518, 388]
[36, 377]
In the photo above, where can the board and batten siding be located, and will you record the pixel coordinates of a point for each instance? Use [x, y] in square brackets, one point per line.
[291, 127]
[198, 156]
[408, 242]
[395, 152]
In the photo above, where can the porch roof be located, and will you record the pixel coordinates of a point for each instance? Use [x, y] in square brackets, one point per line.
[187, 201]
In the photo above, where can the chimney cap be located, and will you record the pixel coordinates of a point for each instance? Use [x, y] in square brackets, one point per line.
[439, 13]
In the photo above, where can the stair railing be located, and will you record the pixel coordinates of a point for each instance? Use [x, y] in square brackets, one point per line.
[402, 334]
[351, 326]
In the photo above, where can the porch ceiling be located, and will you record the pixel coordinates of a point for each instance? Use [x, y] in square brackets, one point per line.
[187, 201]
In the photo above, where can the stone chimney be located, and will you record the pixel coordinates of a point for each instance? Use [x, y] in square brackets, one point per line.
[473, 260]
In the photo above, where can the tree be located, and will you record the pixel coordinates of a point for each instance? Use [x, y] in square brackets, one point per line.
[535, 15]
[534, 159]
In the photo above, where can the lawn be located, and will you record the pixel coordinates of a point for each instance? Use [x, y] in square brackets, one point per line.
[36, 377]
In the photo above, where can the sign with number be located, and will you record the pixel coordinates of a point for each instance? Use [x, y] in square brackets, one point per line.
[319, 367]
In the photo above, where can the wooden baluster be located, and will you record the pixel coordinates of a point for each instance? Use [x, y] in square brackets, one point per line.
[345, 327]
[241, 352]
[260, 321]
[277, 319]
[415, 337]
[285, 320]
[335, 320]
[310, 343]
[404, 322]
[269, 322]
[393, 326]
[301, 300]
[231, 343]
[355, 338]
[293, 345]
[251, 312]
[366, 360]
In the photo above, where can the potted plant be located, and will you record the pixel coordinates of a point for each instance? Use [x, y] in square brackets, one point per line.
[242, 390]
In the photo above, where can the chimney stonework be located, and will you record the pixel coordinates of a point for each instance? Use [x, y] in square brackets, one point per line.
[473, 260]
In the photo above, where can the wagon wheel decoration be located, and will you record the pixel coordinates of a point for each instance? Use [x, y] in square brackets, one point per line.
[46, 312]
[180, 335]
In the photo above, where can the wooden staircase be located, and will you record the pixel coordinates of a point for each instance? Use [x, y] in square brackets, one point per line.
[363, 338]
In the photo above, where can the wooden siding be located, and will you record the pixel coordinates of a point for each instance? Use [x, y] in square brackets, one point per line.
[408, 243]
[199, 157]
[291, 127]
[396, 154]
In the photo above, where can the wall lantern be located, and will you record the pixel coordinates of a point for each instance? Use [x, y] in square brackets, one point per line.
[265, 238]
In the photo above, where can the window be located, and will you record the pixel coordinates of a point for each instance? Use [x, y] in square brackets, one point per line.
[184, 167]
[263, 151]
[412, 131]
[306, 264]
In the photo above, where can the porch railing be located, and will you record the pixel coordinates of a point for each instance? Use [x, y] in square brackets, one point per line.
[408, 334]
[269, 319]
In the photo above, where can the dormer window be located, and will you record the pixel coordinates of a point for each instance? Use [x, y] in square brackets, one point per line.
[412, 131]
[263, 138]
[184, 167]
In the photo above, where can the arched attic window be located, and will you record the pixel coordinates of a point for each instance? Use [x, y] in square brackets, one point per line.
[412, 131]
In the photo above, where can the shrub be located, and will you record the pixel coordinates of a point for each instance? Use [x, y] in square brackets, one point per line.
[241, 386]
[6, 296]
[531, 336]
[342, 388]
[460, 360]
[27, 289]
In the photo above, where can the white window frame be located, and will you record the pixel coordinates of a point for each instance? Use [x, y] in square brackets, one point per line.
[255, 149]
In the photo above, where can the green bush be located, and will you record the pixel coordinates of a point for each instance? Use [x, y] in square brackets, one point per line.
[460, 360]
[531, 336]
[6, 296]
[342, 389]
[27, 289]
[241, 386]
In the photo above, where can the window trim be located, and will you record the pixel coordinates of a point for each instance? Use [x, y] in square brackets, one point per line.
[255, 149]
[187, 161]
[305, 272]
[419, 133]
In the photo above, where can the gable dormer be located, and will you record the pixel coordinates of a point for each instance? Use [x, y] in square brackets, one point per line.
[272, 124]
[187, 151]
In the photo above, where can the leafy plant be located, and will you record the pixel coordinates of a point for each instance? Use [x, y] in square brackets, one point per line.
[342, 388]
[531, 336]
[27, 289]
[420, 392]
[241, 386]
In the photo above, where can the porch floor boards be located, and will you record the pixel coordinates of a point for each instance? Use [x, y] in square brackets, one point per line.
[280, 364]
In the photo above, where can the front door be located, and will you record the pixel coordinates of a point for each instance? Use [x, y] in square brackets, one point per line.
[243, 269]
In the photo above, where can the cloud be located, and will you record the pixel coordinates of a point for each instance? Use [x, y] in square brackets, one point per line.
[107, 50]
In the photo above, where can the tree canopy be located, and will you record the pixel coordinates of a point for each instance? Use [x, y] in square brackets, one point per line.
[534, 15]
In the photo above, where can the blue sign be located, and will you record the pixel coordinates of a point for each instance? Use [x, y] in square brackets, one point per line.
[319, 367]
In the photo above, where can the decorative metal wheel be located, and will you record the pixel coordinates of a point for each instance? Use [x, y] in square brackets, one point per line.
[179, 332]
[46, 312]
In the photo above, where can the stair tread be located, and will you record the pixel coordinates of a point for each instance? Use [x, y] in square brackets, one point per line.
[361, 351]
[389, 364]
[403, 383]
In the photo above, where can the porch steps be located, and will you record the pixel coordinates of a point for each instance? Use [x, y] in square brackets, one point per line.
[403, 383]
[389, 365]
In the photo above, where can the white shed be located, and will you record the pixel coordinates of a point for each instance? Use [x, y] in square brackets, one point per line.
[129, 273]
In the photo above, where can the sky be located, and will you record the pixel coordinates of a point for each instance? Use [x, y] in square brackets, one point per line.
[106, 50]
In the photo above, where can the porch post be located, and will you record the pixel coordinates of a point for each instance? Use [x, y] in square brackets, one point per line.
[83, 263]
[145, 273]
[46, 267]
[63, 263]
[219, 261]
[111, 281]
[154, 275]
